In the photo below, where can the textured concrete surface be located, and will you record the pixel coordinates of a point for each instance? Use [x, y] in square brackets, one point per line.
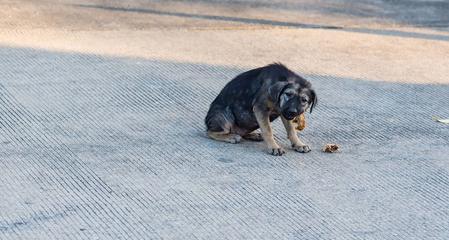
[102, 135]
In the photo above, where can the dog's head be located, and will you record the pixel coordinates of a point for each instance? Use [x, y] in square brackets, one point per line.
[293, 99]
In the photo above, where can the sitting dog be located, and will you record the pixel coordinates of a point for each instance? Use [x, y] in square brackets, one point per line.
[255, 98]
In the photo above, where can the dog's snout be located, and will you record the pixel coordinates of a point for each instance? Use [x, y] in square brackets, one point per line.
[292, 112]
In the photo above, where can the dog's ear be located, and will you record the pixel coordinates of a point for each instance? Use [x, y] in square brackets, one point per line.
[275, 90]
[314, 99]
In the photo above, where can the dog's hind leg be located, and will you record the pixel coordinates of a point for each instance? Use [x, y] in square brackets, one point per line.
[219, 123]
[224, 136]
[253, 136]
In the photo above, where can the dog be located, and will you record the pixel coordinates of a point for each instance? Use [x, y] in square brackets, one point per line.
[257, 97]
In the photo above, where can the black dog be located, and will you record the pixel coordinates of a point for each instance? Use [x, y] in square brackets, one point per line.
[255, 98]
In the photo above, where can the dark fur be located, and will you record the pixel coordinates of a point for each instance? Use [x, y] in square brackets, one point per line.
[273, 91]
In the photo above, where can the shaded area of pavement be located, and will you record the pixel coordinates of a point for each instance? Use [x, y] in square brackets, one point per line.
[273, 23]
[114, 148]
[210, 17]
[419, 13]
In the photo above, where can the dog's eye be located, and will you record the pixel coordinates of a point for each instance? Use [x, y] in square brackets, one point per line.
[289, 94]
[304, 100]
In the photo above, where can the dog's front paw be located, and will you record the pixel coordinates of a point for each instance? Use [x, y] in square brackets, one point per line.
[276, 151]
[301, 148]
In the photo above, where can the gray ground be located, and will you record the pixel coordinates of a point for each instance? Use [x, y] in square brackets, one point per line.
[102, 107]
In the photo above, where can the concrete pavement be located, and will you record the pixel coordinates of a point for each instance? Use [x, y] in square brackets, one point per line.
[102, 135]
